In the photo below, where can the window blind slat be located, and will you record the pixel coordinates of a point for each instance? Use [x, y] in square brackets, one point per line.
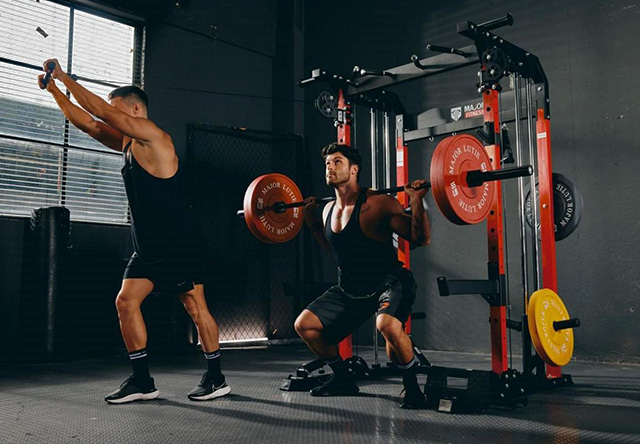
[34, 173]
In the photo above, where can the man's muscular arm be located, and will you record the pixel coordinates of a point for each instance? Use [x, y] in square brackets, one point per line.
[82, 120]
[416, 228]
[315, 225]
[134, 127]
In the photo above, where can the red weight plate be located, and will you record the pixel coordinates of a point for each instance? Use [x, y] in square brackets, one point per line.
[452, 159]
[249, 216]
[436, 165]
[265, 224]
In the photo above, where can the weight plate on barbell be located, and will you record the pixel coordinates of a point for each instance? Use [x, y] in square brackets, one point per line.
[545, 308]
[452, 159]
[567, 207]
[268, 225]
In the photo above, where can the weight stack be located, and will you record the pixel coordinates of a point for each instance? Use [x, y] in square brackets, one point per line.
[45, 249]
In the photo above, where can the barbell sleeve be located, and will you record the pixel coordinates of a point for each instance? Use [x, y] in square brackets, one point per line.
[476, 177]
[281, 207]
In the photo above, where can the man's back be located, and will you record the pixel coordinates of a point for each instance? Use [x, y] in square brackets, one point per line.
[158, 208]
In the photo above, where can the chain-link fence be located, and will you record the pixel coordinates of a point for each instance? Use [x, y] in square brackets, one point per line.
[245, 278]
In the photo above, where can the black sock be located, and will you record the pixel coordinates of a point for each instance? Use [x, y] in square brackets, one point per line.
[213, 366]
[409, 378]
[338, 366]
[140, 363]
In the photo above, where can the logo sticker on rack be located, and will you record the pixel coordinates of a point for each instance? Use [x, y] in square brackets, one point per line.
[456, 113]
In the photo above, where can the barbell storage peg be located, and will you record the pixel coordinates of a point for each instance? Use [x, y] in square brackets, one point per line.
[550, 327]
[568, 323]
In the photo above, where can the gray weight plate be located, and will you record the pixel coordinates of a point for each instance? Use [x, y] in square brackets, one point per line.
[567, 207]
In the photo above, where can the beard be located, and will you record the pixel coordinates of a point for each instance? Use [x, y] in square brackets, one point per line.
[337, 179]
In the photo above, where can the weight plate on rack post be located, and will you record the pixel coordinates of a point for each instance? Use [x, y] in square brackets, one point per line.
[545, 308]
[567, 206]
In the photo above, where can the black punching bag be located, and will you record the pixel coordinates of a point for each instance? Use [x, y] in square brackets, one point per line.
[45, 250]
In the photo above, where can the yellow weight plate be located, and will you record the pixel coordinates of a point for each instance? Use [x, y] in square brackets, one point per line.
[545, 308]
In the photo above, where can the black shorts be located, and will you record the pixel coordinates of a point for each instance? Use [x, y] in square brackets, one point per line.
[341, 314]
[175, 273]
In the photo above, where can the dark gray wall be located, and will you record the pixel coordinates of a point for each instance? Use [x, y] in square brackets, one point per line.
[11, 254]
[88, 280]
[214, 63]
[589, 52]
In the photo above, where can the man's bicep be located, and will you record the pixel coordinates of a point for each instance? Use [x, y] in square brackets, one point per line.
[134, 127]
[106, 135]
[399, 220]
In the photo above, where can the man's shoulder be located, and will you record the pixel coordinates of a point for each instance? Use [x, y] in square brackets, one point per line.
[162, 142]
[383, 205]
[374, 198]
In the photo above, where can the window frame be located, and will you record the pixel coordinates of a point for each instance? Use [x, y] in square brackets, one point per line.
[139, 35]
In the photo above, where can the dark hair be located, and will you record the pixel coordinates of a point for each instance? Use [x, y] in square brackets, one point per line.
[350, 153]
[130, 92]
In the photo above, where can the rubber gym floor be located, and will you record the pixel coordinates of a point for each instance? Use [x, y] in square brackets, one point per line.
[63, 403]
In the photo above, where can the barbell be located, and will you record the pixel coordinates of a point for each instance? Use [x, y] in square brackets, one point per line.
[460, 176]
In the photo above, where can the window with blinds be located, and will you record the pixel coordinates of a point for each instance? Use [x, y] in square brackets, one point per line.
[45, 161]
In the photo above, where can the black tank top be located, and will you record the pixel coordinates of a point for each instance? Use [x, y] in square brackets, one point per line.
[363, 262]
[158, 209]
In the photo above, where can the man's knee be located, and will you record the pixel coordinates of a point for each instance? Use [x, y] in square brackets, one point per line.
[300, 325]
[127, 302]
[131, 295]
[196, 308]
[307, 325]
[389, 327]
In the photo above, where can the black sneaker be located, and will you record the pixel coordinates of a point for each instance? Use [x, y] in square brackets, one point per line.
[413, 400]
[133, 390]
[336, 386]
[206, 389]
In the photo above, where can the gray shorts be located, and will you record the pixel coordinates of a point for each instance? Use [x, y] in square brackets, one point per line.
[341, 314]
